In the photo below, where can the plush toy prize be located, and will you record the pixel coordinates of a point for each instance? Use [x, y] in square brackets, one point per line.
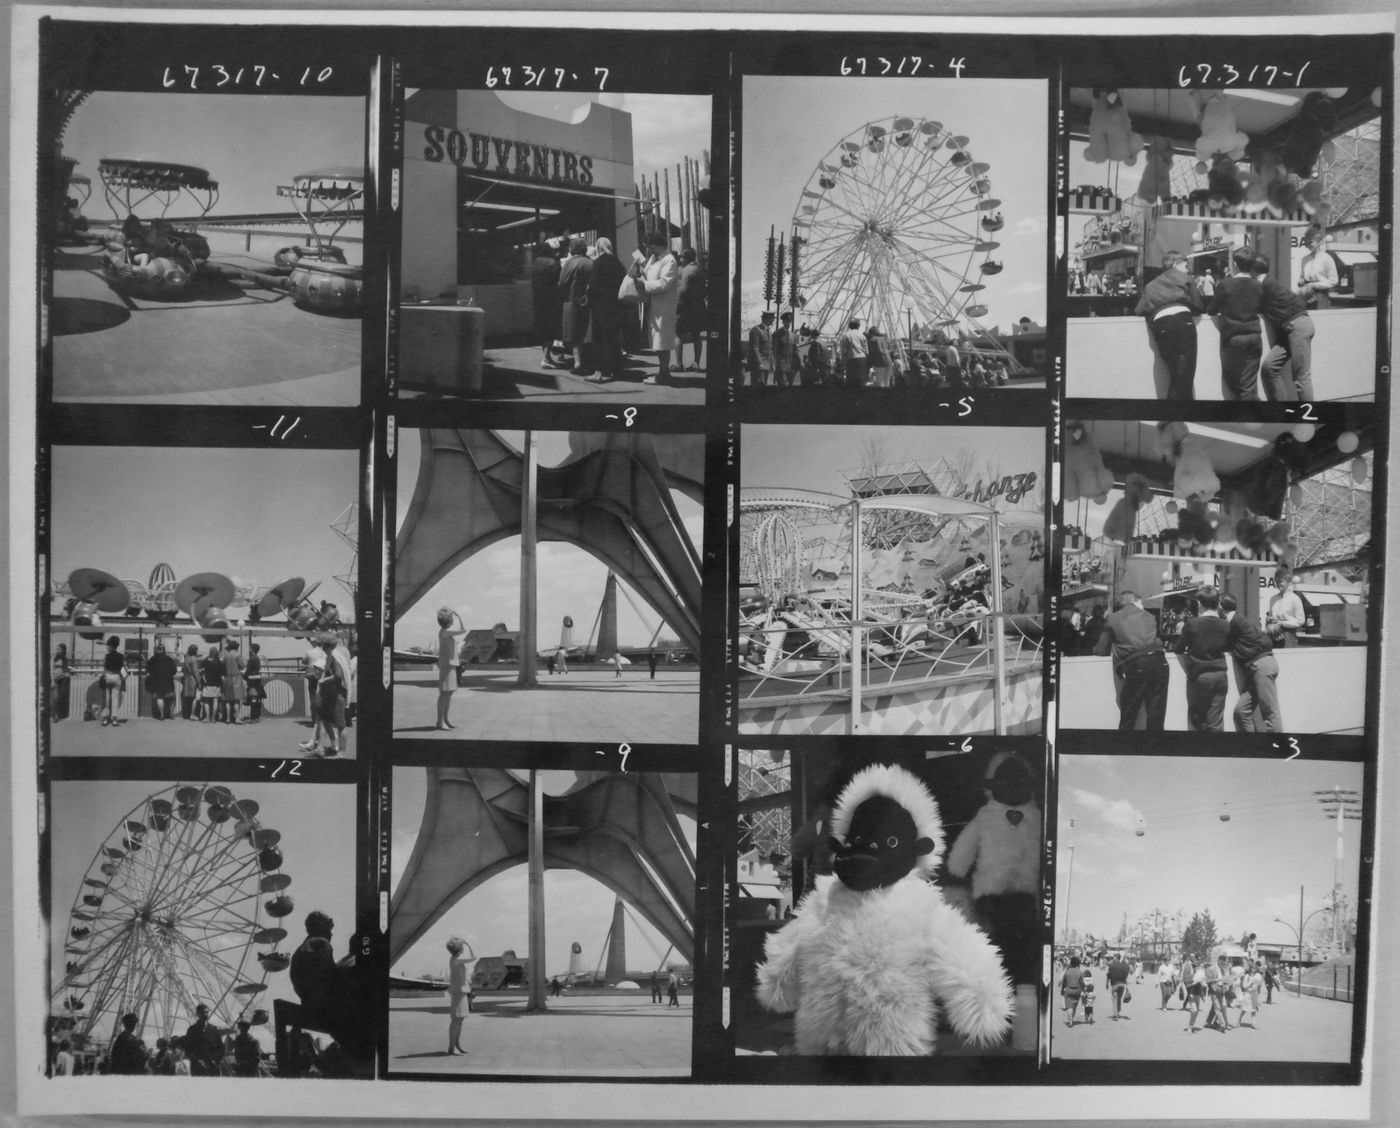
[1111, 136]
[1085, 473]
[874, 949]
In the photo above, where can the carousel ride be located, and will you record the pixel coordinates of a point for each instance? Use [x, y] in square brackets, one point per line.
[154, 257]
[898, 227]
[881, 605]
[180, 905]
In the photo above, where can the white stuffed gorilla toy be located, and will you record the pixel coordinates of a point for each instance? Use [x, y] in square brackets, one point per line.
[874, 948]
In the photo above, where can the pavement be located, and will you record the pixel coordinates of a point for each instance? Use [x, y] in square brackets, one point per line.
[583, 705]
[515, 374]
[271, 737]
[235, 344]
[582, 1035]
[1291, 1029]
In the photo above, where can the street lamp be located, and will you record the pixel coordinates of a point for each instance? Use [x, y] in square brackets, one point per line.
[1298, 935]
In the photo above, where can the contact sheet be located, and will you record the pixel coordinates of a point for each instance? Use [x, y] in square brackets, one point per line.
[655, 567]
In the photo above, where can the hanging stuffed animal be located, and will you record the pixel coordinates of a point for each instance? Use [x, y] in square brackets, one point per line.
[1111, 136]
[1195, 529]
[1308, 135]
[1194, 476]
[1157, 171]
[1224, 183]
[1120, 524]
[998, 853]
[1219, 134]
[874, 948]
[1085, 473]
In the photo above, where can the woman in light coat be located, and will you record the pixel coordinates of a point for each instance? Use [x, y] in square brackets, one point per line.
[661, 284]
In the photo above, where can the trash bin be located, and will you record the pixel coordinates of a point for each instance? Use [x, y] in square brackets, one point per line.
[440, 348]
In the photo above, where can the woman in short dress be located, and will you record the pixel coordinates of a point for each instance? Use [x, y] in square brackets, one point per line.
[61, 676]
[189, 683]
[459, 992]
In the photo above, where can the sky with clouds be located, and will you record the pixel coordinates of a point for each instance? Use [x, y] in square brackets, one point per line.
[790, 124]
[1245, 870]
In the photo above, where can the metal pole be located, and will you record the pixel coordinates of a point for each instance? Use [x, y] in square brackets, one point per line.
[1299, 968]
[526, 677]
[1069, 886]
[998, 626]
[535, 858]
[856, 613]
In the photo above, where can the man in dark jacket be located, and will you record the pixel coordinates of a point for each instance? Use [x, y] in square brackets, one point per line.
[128, 1051]
[1130, 635]
[1172, 305]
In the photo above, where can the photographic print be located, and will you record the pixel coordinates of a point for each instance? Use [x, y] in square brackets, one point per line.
[886, 909]
[549, 581]
[893, 233]
[1257, 210]
[193, 931]
[241, 636]
[1216, 570]
[207, 249]
[1206, 909]
[555, 246]
[579, 968]
[891, 580]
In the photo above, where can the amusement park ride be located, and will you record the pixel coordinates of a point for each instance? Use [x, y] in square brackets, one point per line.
[204, 598]
[169, 914]
[902, 627]
[169, 260]
[897, 226]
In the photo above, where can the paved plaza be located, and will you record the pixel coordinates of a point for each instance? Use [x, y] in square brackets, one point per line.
[586, 704]
[234, 344]
[515, 374]
[271, 737]
[583, 1035]
[1291, 1029]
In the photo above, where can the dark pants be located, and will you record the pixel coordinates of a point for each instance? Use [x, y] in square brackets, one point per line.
[607, 349]
[1145, 679]
[1205, 700]
[857, 371]
[1239, 366]
[1175, 337]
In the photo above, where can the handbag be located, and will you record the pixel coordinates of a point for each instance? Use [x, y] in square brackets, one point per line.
[1127, 995]
[628, 293]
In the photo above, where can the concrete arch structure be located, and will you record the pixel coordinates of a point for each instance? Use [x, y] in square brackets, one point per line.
[619, 828]
[611, 498]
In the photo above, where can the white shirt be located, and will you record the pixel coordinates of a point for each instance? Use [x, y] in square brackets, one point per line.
[1286, 609]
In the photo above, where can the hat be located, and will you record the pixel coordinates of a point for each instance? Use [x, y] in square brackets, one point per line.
[768, 315]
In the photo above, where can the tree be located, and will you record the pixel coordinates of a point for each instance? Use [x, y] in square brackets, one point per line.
[1199, 937]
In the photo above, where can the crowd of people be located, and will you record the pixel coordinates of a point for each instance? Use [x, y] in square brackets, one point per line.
[1211, 639]
[1265, 331]
[1213, 987]
[861, 357]
[329, 666]
[600, 310]
[202, 1051]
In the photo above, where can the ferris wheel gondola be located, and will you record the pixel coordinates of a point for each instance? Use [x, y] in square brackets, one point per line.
[166, 917]
[892, 220]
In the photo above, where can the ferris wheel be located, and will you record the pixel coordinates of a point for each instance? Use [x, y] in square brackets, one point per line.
[167, 916]
[898, 223]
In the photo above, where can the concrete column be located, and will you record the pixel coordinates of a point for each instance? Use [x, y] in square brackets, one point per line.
[529, 508]
[535, 860]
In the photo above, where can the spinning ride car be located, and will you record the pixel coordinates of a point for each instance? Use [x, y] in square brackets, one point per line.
[321, 280]
[155, 259]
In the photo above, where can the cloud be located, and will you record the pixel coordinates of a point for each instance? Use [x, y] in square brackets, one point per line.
[1023, 227]
[1116, 813]
[1027, 288]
